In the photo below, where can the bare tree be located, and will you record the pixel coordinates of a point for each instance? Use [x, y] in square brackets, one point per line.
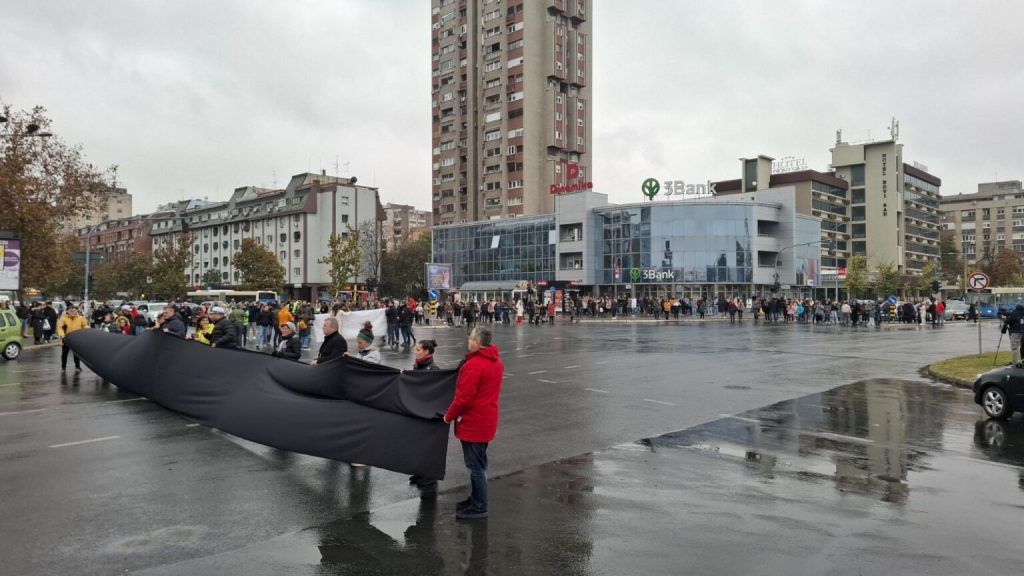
[372, 246]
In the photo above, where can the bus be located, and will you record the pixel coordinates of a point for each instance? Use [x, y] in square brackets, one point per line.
[232, 296]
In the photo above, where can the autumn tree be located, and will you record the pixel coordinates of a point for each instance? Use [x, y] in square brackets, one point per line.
[344, 260]
[1004, 269]
[856, 276]
[257, 267]
[46, 183]
[170, 264]
[886, 278]
[951, 264]
[131, 273]
[402, 269]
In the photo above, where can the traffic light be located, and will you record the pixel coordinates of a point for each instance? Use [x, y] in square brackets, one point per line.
[935, 286]
[775, 287]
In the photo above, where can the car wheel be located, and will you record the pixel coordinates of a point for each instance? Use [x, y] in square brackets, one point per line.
[995, 403]
[12, 351]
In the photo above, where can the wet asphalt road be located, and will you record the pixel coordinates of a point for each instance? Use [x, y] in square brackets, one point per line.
[873, 477]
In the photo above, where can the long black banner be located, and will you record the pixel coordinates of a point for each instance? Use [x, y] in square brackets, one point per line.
[345, 409]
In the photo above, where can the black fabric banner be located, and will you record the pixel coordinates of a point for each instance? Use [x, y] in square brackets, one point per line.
[345, 409]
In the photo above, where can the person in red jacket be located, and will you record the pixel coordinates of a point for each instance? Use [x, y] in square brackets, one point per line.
[475, 413]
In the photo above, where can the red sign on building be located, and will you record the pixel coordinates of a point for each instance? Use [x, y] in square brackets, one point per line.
[572, 181]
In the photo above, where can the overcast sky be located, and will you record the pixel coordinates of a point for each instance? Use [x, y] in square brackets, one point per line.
[196, 98]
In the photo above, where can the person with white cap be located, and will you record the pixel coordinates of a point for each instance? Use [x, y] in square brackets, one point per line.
[289, 347]
[225, 334]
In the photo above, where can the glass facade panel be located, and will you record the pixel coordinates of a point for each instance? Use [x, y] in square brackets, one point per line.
[664, 244]
[509, 249]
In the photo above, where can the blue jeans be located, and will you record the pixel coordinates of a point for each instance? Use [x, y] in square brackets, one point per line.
[475, 456]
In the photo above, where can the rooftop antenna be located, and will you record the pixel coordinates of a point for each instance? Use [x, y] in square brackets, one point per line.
[894, 129]
[275, 179]
[839, 136]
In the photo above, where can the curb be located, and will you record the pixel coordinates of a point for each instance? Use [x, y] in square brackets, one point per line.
[945, 378]
[27, 347]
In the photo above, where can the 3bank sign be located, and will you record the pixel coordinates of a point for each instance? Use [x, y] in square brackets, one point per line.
[652, 186]
[639, 275]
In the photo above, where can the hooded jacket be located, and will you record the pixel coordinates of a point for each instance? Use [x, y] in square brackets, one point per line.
[475, 407]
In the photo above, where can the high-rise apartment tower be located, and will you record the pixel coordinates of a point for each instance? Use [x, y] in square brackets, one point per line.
[511, 106]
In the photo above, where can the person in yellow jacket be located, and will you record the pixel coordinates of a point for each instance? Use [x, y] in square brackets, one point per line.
[67, 324]
[203, 330]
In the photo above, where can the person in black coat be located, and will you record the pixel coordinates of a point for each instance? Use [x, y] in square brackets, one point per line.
[171, 323]
[289, 346]
[224, 334]
[425, 361]
[334, 345]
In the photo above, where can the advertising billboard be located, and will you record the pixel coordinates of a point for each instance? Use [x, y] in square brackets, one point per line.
[439, 276]
[10, 266]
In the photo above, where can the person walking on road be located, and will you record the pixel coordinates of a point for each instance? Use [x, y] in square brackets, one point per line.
[70, 322]
[475, 413]
[1014, 324]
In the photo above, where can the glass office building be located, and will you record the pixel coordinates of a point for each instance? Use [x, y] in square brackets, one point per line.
[519, 249]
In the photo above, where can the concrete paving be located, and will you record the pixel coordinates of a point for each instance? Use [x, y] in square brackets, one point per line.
[95, 481]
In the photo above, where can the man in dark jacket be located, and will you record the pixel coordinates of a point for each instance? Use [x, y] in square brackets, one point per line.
[1014, 324]
[289, 346]
[224, 333]
[475, 413]
[170, 323]
[334, 345]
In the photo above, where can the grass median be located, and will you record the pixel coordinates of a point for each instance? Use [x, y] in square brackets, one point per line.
[963, 370]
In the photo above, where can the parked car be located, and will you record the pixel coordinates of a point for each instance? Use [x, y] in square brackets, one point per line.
[10, 335]
[151, 309]
[988, 311]
[955, 310]
[1000, 392]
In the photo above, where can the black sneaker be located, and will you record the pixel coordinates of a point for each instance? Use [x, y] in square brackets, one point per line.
[464, 505]
[470, 514]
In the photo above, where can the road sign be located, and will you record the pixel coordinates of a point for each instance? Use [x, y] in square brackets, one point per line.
[892, 299]
[977, 281]
[432, 294]
[841, 273]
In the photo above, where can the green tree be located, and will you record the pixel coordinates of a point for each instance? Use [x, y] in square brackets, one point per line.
[45, 183]
[402, 269]
[886, 278]
[856, 276]
[952, 265]
[929, 274]
[212, 279]
[343, 260]
[169, 272]
[257, 267]
[72, 284]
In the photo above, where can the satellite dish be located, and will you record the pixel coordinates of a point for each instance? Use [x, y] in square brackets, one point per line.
[353, 180]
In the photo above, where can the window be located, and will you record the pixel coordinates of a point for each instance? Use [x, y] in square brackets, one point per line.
[297, 253]
[284, 237]
[206, 248]
[224, 244]
[296, 236]
[225, 261]
[492, 135]
[857, 175]
[237, 244]
[344, 218]
[282, 255]
[516, 133]
[512, 150]
[297, 271]
[224, 276]
[344, 199]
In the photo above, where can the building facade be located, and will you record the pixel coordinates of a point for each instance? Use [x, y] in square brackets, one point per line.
[694, 248]
[115, 239]
[403, 223]
[894, 206]
[511, 104]
[987, 222]
[294, 224]
[116, 205]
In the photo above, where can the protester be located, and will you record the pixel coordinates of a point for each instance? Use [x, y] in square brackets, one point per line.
[69, 323]
[424, 353]
[204, 329]
[364, 343]
[224, 333]
[289, 346]
[334, 345]
[170, 323]
[1014, 324]
[475, 413]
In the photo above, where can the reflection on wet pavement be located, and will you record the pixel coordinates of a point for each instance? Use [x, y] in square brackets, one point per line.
[877, 477]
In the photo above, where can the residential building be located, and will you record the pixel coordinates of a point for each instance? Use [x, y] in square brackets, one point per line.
[294, 224]
[404, 223]
[709, 247]
[986, 222]
[116, 204]
[115, 239]
[511, 103]
[894, 206]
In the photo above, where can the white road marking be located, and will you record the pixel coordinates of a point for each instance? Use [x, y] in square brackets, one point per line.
[659, 402]
[598, 390]
[546, 381]
[537, 372]
[192, 425]
[104, 439]
[570, 367]
[740, 418]
[120, 401]
[509, 374]
[24, 412]
[853, 439]
[10, 385]
[601, 362]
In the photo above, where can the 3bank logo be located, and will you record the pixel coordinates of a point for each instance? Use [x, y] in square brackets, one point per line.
[650, 188]
[634, 273]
